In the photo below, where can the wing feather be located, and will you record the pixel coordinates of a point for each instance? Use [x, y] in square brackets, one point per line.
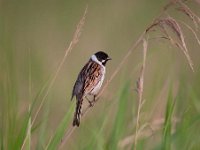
[88, 78]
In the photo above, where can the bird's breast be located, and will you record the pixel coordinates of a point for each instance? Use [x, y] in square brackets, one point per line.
[97, 88]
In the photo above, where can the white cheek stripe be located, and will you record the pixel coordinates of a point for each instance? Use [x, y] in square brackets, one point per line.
[103, 61]
[94, 58]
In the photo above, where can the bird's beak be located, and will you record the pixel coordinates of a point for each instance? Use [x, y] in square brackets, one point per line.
[109, 58]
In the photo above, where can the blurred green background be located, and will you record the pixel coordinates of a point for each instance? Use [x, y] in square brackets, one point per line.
[33, 38]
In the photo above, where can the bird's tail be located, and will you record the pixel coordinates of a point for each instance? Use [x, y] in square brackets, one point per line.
[77, 114]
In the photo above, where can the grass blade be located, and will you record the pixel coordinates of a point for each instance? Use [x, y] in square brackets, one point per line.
[119, 123]
[168, 122]
[56, 139]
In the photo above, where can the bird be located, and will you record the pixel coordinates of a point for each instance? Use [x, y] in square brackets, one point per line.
[89, 82]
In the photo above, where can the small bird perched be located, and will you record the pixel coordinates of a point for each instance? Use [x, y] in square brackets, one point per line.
[89, 81]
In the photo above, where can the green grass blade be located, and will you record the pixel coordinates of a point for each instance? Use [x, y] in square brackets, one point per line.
[119, 123]
[43, 127]
[22, 134]
[168, 122]
[60, 132]
[98, 140]
[28, 135]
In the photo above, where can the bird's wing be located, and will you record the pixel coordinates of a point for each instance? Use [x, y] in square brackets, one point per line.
[93, 75]
[88, 78]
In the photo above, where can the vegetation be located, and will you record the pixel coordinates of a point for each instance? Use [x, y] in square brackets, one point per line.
[150, 98]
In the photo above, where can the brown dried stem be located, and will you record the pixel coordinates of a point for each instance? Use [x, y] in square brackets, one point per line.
[67, 51]
[190, 28]
[147, 131]
[158, 21]
[140, 88]
[188, 12]
[86, 110]
[172, 24]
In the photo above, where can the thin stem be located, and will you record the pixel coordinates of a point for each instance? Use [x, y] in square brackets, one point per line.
[28, 132]
[71, 46]
[134, 45]
[140, 85]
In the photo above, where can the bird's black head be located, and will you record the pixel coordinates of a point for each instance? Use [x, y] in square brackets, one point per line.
[102, 57]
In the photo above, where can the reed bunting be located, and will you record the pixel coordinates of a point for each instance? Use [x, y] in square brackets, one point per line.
[89, 82]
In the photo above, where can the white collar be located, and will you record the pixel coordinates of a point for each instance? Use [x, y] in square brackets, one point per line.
[94, 58]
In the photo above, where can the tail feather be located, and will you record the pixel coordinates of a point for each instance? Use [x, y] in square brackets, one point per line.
[77, 114]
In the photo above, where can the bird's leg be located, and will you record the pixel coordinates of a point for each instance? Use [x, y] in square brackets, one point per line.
[94, 98]
[90, 102]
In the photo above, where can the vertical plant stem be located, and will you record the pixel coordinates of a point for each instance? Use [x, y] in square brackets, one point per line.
[140, 88]
[86, 110]
[28, 132]
[71, 46]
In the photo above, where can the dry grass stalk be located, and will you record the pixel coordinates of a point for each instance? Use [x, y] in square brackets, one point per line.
[134, 45]
[148, 131]
[180, 46]
[170, 22]
[175, 27]
[187, 11]
[48, 143]
[189, 14]
[190, 28]
[70, 47]
[86, 110]
[151, 27]
[173, 24]
[140, 88]
[67, 136]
